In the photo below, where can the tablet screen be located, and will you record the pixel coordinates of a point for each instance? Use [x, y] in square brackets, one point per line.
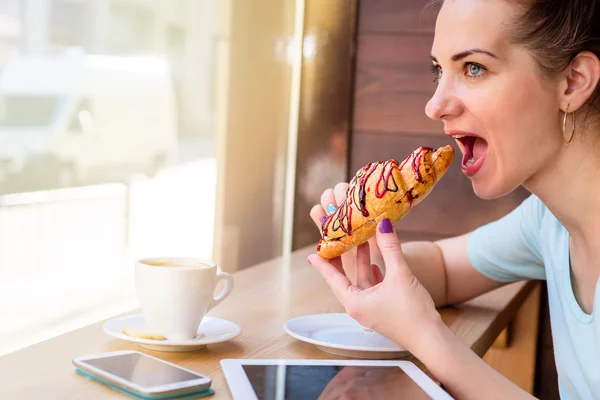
[291, 382]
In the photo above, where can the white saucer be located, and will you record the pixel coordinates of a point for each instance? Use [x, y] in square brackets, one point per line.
[341, 335]
[211, 330]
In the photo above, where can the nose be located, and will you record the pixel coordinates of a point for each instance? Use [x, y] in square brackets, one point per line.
[443, 105]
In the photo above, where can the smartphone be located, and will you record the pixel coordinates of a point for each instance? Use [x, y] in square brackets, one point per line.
[141, 375]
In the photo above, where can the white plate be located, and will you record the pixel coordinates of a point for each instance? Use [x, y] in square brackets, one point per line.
[341, 335]
[212, 330]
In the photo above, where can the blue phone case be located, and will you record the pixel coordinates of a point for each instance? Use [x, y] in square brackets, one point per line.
[185, 395]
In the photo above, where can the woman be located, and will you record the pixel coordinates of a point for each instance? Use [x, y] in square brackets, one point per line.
[517, 87]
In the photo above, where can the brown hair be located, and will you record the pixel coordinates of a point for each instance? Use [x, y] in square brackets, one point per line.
[555, 31]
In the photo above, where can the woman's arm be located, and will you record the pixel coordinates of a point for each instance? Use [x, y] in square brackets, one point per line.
[400, 308]
[443, 268]
[460, 370]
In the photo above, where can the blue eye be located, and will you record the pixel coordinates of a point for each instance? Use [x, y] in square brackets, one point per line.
[474, 70]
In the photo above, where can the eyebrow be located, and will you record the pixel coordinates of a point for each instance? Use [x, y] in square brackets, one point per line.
[463, 54]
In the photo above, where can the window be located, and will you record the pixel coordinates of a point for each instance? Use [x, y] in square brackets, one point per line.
[117, 118]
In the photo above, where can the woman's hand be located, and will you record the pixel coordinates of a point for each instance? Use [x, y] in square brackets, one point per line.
[398, 306]
[360, 274]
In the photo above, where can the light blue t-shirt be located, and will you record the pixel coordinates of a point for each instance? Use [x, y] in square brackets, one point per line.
[530, 243]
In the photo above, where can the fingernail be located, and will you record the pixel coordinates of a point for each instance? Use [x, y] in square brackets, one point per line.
[331, 208]
[323, 218]
[309, 261]
[385, 226]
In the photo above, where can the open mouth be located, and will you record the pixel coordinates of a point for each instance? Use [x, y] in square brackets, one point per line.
[474, 149]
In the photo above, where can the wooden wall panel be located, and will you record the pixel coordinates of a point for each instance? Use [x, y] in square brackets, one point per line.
[397, 16]
[386, 112]
[451, 208]
[393, 84]
[394, 64]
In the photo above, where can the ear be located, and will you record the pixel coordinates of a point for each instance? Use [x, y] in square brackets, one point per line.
[582, 78]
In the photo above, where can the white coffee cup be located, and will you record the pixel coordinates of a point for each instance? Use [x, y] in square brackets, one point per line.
[175, 293]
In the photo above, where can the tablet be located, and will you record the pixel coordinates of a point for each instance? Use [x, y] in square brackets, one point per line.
[328, 379]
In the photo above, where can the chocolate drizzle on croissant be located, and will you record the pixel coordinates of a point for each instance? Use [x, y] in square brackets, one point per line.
[342, 218]
[384, 187]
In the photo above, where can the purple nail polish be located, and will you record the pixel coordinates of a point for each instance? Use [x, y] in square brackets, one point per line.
[385, 226]
[323, 218]
[308, 261]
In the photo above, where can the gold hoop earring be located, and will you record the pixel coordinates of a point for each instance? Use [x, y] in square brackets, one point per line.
[568, 140]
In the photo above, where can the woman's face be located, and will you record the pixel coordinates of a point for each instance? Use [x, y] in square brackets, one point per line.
[492, 97]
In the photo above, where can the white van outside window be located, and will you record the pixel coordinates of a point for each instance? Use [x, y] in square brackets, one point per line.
[73, 119]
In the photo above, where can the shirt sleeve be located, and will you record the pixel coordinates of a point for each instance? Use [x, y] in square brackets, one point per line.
[508, 250]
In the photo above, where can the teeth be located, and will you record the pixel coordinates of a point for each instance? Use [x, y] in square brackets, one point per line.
[470, 162]
[458, 136]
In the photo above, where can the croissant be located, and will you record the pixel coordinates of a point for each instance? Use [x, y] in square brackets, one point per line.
[385, 189]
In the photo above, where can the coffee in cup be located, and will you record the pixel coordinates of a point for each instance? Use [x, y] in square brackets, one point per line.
[175, 293]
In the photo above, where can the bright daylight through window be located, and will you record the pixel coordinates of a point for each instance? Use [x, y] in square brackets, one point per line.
[106, 152]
